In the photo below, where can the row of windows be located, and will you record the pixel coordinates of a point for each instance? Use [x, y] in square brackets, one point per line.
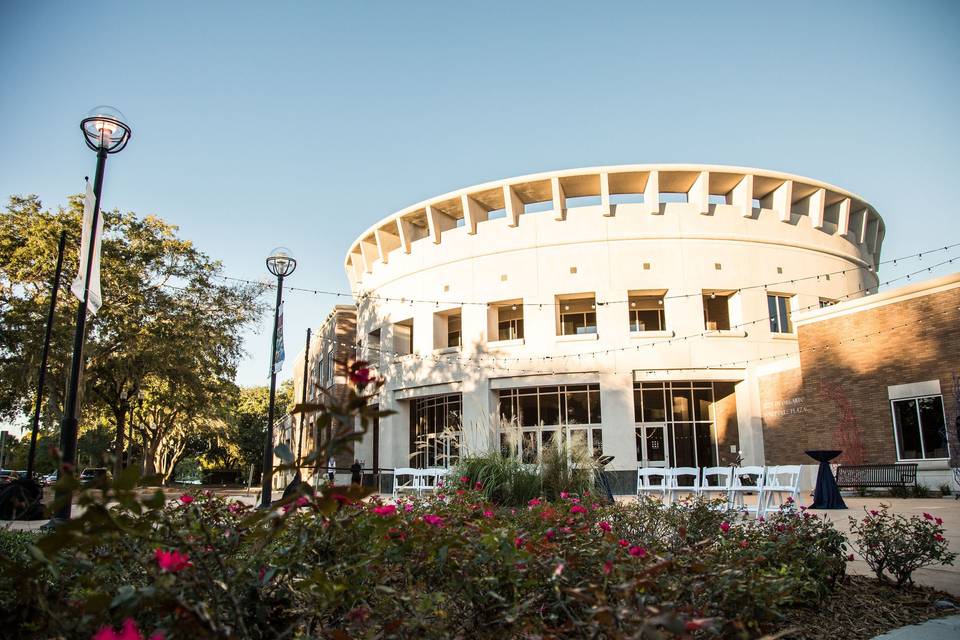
[675, 423]
[577, 315]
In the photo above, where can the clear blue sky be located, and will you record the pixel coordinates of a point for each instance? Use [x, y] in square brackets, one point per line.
[301, 123]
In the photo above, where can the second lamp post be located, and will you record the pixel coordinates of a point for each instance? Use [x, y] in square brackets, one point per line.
[281, 264]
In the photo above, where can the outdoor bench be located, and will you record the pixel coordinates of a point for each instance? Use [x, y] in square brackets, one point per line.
[876, 475]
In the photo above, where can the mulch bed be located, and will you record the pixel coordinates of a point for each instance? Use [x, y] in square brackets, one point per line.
[861, 608]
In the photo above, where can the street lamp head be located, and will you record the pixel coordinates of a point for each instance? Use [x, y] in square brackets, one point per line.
[105, 128]
[281, 262]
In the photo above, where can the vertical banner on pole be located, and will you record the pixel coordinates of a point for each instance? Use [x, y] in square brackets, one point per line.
[278, 348]
[94, 301]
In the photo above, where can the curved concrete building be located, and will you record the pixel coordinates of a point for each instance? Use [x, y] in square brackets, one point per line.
[630, 307]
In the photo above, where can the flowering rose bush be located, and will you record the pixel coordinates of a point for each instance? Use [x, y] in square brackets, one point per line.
[894, 546]
[427, 567]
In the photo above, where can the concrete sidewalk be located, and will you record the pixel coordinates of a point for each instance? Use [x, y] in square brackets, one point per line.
[938, 629]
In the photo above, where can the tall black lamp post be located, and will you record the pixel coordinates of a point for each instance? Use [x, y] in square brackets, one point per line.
[281, 264]
[105, 131]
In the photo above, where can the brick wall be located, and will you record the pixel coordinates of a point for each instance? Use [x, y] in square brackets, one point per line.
[844, 375]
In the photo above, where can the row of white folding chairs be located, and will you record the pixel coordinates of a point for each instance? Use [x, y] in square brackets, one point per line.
[419, 482]
[774, 486]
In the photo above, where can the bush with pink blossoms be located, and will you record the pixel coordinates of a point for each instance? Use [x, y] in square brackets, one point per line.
[894, 546]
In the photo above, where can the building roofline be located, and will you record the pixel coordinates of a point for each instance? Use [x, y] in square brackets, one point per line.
[892, 296]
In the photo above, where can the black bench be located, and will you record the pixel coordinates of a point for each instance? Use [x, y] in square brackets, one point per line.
[876, 475]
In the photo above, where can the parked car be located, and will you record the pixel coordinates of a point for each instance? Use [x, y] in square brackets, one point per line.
[91, 474]
[7, 476]
[49, 479]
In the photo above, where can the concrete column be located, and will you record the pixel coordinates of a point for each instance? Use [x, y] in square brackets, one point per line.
[386, 242]
[743, 196]
[476, 421]
[843, 218]
[473, 212]
[405, 233]
[605, 194]
[369, 252]
[749, 421]
[651, 193]
[559, 199]
[783, 199]
[864, 226]
[619, 432]
[438, 222]
[699, 193]
[513, 205]
[817, 201]
[395, 433]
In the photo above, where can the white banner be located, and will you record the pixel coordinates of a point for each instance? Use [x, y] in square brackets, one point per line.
[94, 301]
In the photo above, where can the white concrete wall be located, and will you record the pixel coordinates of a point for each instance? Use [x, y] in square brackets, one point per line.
[532, 261]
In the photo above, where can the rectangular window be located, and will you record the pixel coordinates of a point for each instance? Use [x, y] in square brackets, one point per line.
[453, 330]
[403, 337]
[779, 309]
[578, 316]
[373, 347]
[435, 431]
[827, 302]
[716, 311]
[646, 313]
[510, 321]
[920, 427]
[532, 417]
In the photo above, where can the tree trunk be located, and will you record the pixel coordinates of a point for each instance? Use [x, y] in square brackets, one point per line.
[121, 418]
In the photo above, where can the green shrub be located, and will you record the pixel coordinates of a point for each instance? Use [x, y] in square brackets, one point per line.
[945, 490]
[900, 491]
[894, 546]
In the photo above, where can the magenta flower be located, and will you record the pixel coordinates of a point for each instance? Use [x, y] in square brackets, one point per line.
[488, 514]
[433, 520]
[623, 543]
[607, 568]
[360, 376]
[578, 509]
[235, 507]
[171, 561]
[744, 544]
[850, 558]
[533, 502]
[408, 507]
[128, 631]
[464, 479]
[550, 534]
[874, 513]
[637, 552]
[564, 495]
[927, 516]
[558, 570]
[302, 501]
[518, 542]
[939, 521]
[478, 486]
[186, 498]
[938, 537]
[385, 510]
[603, 524]
[724, 526]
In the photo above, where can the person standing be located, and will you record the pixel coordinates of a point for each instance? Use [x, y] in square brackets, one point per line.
[331, 468]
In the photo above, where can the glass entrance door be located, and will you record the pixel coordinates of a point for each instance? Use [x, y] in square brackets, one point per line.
[675, 424]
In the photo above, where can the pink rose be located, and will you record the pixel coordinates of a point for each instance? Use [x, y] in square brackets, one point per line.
[927, 516]
[603, 524]
[623, 543]
[433, 520]
[564, 495]
[385, 510]
[464, 479]
[488, 514]
[533, 502]
[607, 568]
[724, 526]
[186, 498]
[577, 509]
[128, 631]
[171, 561]
[637, 552]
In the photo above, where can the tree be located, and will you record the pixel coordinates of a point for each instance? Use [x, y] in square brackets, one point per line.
[248, 422]
[169, 325]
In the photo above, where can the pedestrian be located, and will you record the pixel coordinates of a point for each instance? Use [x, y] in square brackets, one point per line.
[355, 471]
[331, 468]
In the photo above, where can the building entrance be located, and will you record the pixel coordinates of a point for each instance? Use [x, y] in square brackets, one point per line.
[675, 424]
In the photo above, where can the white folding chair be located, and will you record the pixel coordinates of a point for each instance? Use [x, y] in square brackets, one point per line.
[645, 484]
[715, 483]
[676, 487]
[401, 483]
[781, 483]
[747, 480]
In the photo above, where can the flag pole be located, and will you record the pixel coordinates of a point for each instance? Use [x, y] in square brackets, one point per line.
[54, 287]
[71, 409]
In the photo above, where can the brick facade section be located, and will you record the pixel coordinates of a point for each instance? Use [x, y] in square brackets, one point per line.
[852, 359]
